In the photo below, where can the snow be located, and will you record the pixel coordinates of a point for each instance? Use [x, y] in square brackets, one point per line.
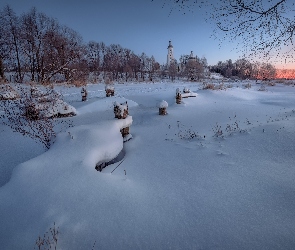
[178, 91]
[109, 87]
[190, 94]
[104, 104]
[179, 185]
[163, 104]
[57, 107]
[216, 76]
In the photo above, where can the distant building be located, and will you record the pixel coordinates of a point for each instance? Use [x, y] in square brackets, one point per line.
[192, 57]
[181, 66]
[170, 57]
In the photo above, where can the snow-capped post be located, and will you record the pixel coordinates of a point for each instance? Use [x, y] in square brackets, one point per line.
[163, 105]
[178, 96]
[186, 90]
[110, 90]
[84, 94]
[121, 112]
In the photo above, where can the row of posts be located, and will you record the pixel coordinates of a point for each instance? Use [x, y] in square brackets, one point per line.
[109, 90]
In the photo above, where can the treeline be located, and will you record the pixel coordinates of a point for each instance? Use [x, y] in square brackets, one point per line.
[244, 69]
[37, 46]
[117, 63]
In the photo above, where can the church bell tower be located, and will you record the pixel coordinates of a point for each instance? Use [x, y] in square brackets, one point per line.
[170, 54]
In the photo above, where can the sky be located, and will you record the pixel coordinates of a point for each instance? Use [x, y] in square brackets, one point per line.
[139, 25]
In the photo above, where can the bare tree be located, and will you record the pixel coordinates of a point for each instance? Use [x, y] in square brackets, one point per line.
[10, 40]
[262, 28]
[143, 65]
[243, 68]
[34, 27]
[36, 44]
[134, 63]
[93, 56]
[172, 71]
[193, 70]
[267, 71]
[64, 49]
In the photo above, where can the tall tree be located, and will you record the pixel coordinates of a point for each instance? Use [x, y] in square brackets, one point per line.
[263, 27]
[172, 71]
[34, 26]
[10, 41]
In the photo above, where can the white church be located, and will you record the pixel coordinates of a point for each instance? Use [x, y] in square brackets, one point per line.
[180, 65]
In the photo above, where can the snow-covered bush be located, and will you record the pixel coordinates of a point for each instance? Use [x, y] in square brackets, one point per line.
[48, 103]
[29, 117]
[8, 93]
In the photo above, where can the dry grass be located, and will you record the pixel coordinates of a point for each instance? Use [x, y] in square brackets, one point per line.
[208, 86]
[79, 83]
[271, 83]
[247, 85]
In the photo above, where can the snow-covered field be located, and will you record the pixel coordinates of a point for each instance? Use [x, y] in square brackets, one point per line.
[217, 172]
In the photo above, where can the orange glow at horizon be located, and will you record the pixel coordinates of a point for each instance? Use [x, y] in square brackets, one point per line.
[285, 73]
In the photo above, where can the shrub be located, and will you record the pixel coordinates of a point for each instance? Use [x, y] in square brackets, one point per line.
[24, 116]
[247, 85]
[208, 86]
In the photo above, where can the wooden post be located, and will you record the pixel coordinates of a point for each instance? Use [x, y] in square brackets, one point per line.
[178, 96]
[110, 91]
[121, 112]
[162, 111]
[163, 105]
[124, 131]
[84, 94]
